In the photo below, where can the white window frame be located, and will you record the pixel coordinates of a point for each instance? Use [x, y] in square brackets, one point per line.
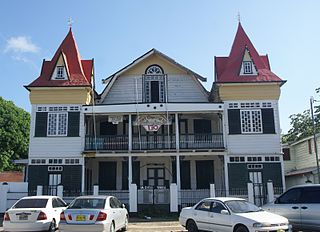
[60, 73]
[57, 124]
[251, 124]
[247, 67]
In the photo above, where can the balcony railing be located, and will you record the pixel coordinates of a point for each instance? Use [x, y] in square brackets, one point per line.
[155, 142]
[107, 142]
[201, 141]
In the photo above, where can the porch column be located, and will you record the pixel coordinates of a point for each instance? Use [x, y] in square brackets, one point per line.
[178, 171]
[224, 132]
[83, 174]
[130, 170]
[226, 179]
[177, 132]
[130, 133]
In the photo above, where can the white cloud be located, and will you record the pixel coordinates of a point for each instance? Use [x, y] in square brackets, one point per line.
[21, 44]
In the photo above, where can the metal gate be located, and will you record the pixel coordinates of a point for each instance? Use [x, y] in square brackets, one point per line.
[154, 196]
[259, 189]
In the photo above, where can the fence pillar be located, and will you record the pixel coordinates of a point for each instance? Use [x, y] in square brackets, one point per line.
[212, 190]
[60, 191]
[250, 193]
[39, 190]
[96, 190]
[270, 191]
[4, 189]
[173, 198]
[133, 198]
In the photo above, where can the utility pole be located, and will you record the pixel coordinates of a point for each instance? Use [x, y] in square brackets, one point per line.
[314, 136]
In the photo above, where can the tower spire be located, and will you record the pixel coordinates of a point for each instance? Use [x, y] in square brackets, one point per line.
[239, 17]
[70, 22]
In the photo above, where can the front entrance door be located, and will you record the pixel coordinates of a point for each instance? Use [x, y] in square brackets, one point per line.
[107, 175]
[258, 191]
[156, 177]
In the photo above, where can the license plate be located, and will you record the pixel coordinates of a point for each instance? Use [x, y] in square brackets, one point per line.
[280, 230]
[23, 217]
[80, 218]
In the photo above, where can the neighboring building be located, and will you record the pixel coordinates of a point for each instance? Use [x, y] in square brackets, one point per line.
[11, 176]
[155, 124]
[300, 165]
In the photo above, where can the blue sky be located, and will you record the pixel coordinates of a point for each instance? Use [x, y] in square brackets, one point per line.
[192, 32]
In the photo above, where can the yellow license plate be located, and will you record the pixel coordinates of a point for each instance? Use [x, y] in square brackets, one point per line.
[81, 218]
[280, 230]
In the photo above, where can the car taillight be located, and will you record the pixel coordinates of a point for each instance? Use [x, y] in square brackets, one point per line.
[62, 217]
[42, 216]
[91, 217]
[102, 216]
[6, 217]
[70, 217]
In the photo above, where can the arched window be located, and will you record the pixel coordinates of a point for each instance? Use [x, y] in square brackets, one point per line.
[154, 70]
[154, 84]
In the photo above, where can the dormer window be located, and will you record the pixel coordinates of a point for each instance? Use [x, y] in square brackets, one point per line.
[60, 72]
[247, 67]
[154, 84]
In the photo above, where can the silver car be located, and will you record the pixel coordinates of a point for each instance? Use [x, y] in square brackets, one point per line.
[301, 205]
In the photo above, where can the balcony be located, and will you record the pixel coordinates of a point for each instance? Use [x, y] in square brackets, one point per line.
[155, 142]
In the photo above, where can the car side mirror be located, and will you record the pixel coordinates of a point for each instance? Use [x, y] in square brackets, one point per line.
[123, 206]
[225, 212]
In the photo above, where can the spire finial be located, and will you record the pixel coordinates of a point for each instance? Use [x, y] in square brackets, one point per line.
[239, 17]
[70, 22]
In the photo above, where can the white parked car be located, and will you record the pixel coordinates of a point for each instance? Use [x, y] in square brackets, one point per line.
[226, 214]
[94, 213]
[36, 213]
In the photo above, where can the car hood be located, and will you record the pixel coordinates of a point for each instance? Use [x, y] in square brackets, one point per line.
[263, 216]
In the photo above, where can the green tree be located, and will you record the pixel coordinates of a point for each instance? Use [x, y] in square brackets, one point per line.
[14, 134]
[301, 125]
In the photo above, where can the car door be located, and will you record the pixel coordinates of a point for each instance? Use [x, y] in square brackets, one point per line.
[219, 222]
[122, 212]
[310, 208]
[201, 215]
[288, 205]
[116, 215]
[58, 206]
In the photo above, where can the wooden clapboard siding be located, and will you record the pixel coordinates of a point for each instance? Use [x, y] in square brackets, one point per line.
[55, 146]
[181, 88]
[254, 143]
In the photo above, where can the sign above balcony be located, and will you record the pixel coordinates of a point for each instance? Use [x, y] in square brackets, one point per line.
[152, 122]
[115, 119]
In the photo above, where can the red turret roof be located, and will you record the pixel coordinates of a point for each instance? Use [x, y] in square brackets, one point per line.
[227, 69]
[78, 71]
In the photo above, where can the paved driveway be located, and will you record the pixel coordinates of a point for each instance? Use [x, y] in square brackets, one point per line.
[160, 226]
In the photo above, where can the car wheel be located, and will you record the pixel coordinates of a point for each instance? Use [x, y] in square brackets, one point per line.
[242, 229]
[52, 226]
[192, 226]
[125, 228]
[112, 227]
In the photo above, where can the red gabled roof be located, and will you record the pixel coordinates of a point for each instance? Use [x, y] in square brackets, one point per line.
[227, 69]
[78, 71]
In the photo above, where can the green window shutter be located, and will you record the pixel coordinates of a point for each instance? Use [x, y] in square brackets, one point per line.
[234, 121]
[268, 121]
[73, 124]
[41, 124]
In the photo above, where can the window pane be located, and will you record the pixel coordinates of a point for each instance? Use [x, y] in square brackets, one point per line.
[62, 124]
[86, 203]
[31, 203]
[217, 207]
[310, 195]
[52, 120]
[204, 206]
[292, 196]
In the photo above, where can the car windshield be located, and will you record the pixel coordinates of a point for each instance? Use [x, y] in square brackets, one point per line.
[87, 203]
[240, 206]
[31, 203]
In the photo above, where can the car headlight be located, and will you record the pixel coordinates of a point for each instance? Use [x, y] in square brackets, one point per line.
[261, 224]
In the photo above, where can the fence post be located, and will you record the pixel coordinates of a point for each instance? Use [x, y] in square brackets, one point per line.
[95, 190]
[212, 190]
[4, 189]
[270, 191]
[250, 193]
[60, 191]
[133, 198]
[39, 190]
[173, 198]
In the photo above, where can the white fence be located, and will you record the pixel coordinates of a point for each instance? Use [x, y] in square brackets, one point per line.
[11, 192]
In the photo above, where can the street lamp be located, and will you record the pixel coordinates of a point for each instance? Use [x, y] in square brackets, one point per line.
[314, 136]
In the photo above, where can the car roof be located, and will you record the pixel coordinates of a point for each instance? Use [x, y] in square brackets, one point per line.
[94, 197]
[305, 185]
[224, 199]
[39, 197]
